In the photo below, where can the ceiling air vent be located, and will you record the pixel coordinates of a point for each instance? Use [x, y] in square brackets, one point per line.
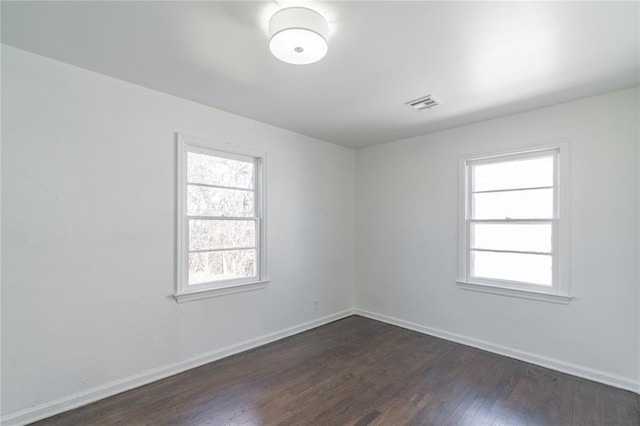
[425, 102]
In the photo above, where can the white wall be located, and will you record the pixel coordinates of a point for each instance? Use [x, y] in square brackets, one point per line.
[88, 167]
[407, 237]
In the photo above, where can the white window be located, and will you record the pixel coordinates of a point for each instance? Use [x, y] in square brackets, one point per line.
[513, 224]
[220, 213]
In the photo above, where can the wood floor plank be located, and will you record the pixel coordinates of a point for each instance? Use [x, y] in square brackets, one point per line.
[359, 372]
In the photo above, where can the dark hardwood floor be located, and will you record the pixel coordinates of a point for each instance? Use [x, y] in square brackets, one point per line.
[357, 371]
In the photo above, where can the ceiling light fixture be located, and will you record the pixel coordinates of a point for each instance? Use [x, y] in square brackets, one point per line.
[298, 35]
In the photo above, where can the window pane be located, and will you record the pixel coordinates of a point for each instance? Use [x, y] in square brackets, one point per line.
[512, 236]
[219, 171]
[528, 268]
[205, 201]
[221, 265]
[527, 204]
[525, 173]
[217, 234]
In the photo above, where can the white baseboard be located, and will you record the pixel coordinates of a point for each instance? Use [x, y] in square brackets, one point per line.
[553, 364]
[58, 406]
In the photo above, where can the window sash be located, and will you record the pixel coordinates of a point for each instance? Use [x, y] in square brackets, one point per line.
[185, 146]
[525, 284]
[246, 159]
[469, 220]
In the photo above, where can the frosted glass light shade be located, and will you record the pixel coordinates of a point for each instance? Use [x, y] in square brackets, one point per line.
[298, 35]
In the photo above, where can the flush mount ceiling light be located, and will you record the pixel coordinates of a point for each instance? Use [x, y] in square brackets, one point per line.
[298, 35]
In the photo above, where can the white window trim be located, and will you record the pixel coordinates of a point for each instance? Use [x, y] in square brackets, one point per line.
[560, 291]
[184, 292]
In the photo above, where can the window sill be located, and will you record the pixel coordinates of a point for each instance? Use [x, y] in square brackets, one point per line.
[220, 291]
[512, 292]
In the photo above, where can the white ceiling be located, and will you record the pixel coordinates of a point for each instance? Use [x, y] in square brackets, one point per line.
[482, 59]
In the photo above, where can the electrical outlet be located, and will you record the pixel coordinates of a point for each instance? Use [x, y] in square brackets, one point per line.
[316, 305]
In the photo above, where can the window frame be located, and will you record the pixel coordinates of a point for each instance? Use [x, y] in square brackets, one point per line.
[559, 290]
[184, 291]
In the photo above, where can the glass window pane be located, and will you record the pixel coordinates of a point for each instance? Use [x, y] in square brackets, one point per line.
[205, 201]
[527, 268]
[217, 234]
[527, 204]
[221, 265]
[525, 173]
[219, 171]
[512, 236]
